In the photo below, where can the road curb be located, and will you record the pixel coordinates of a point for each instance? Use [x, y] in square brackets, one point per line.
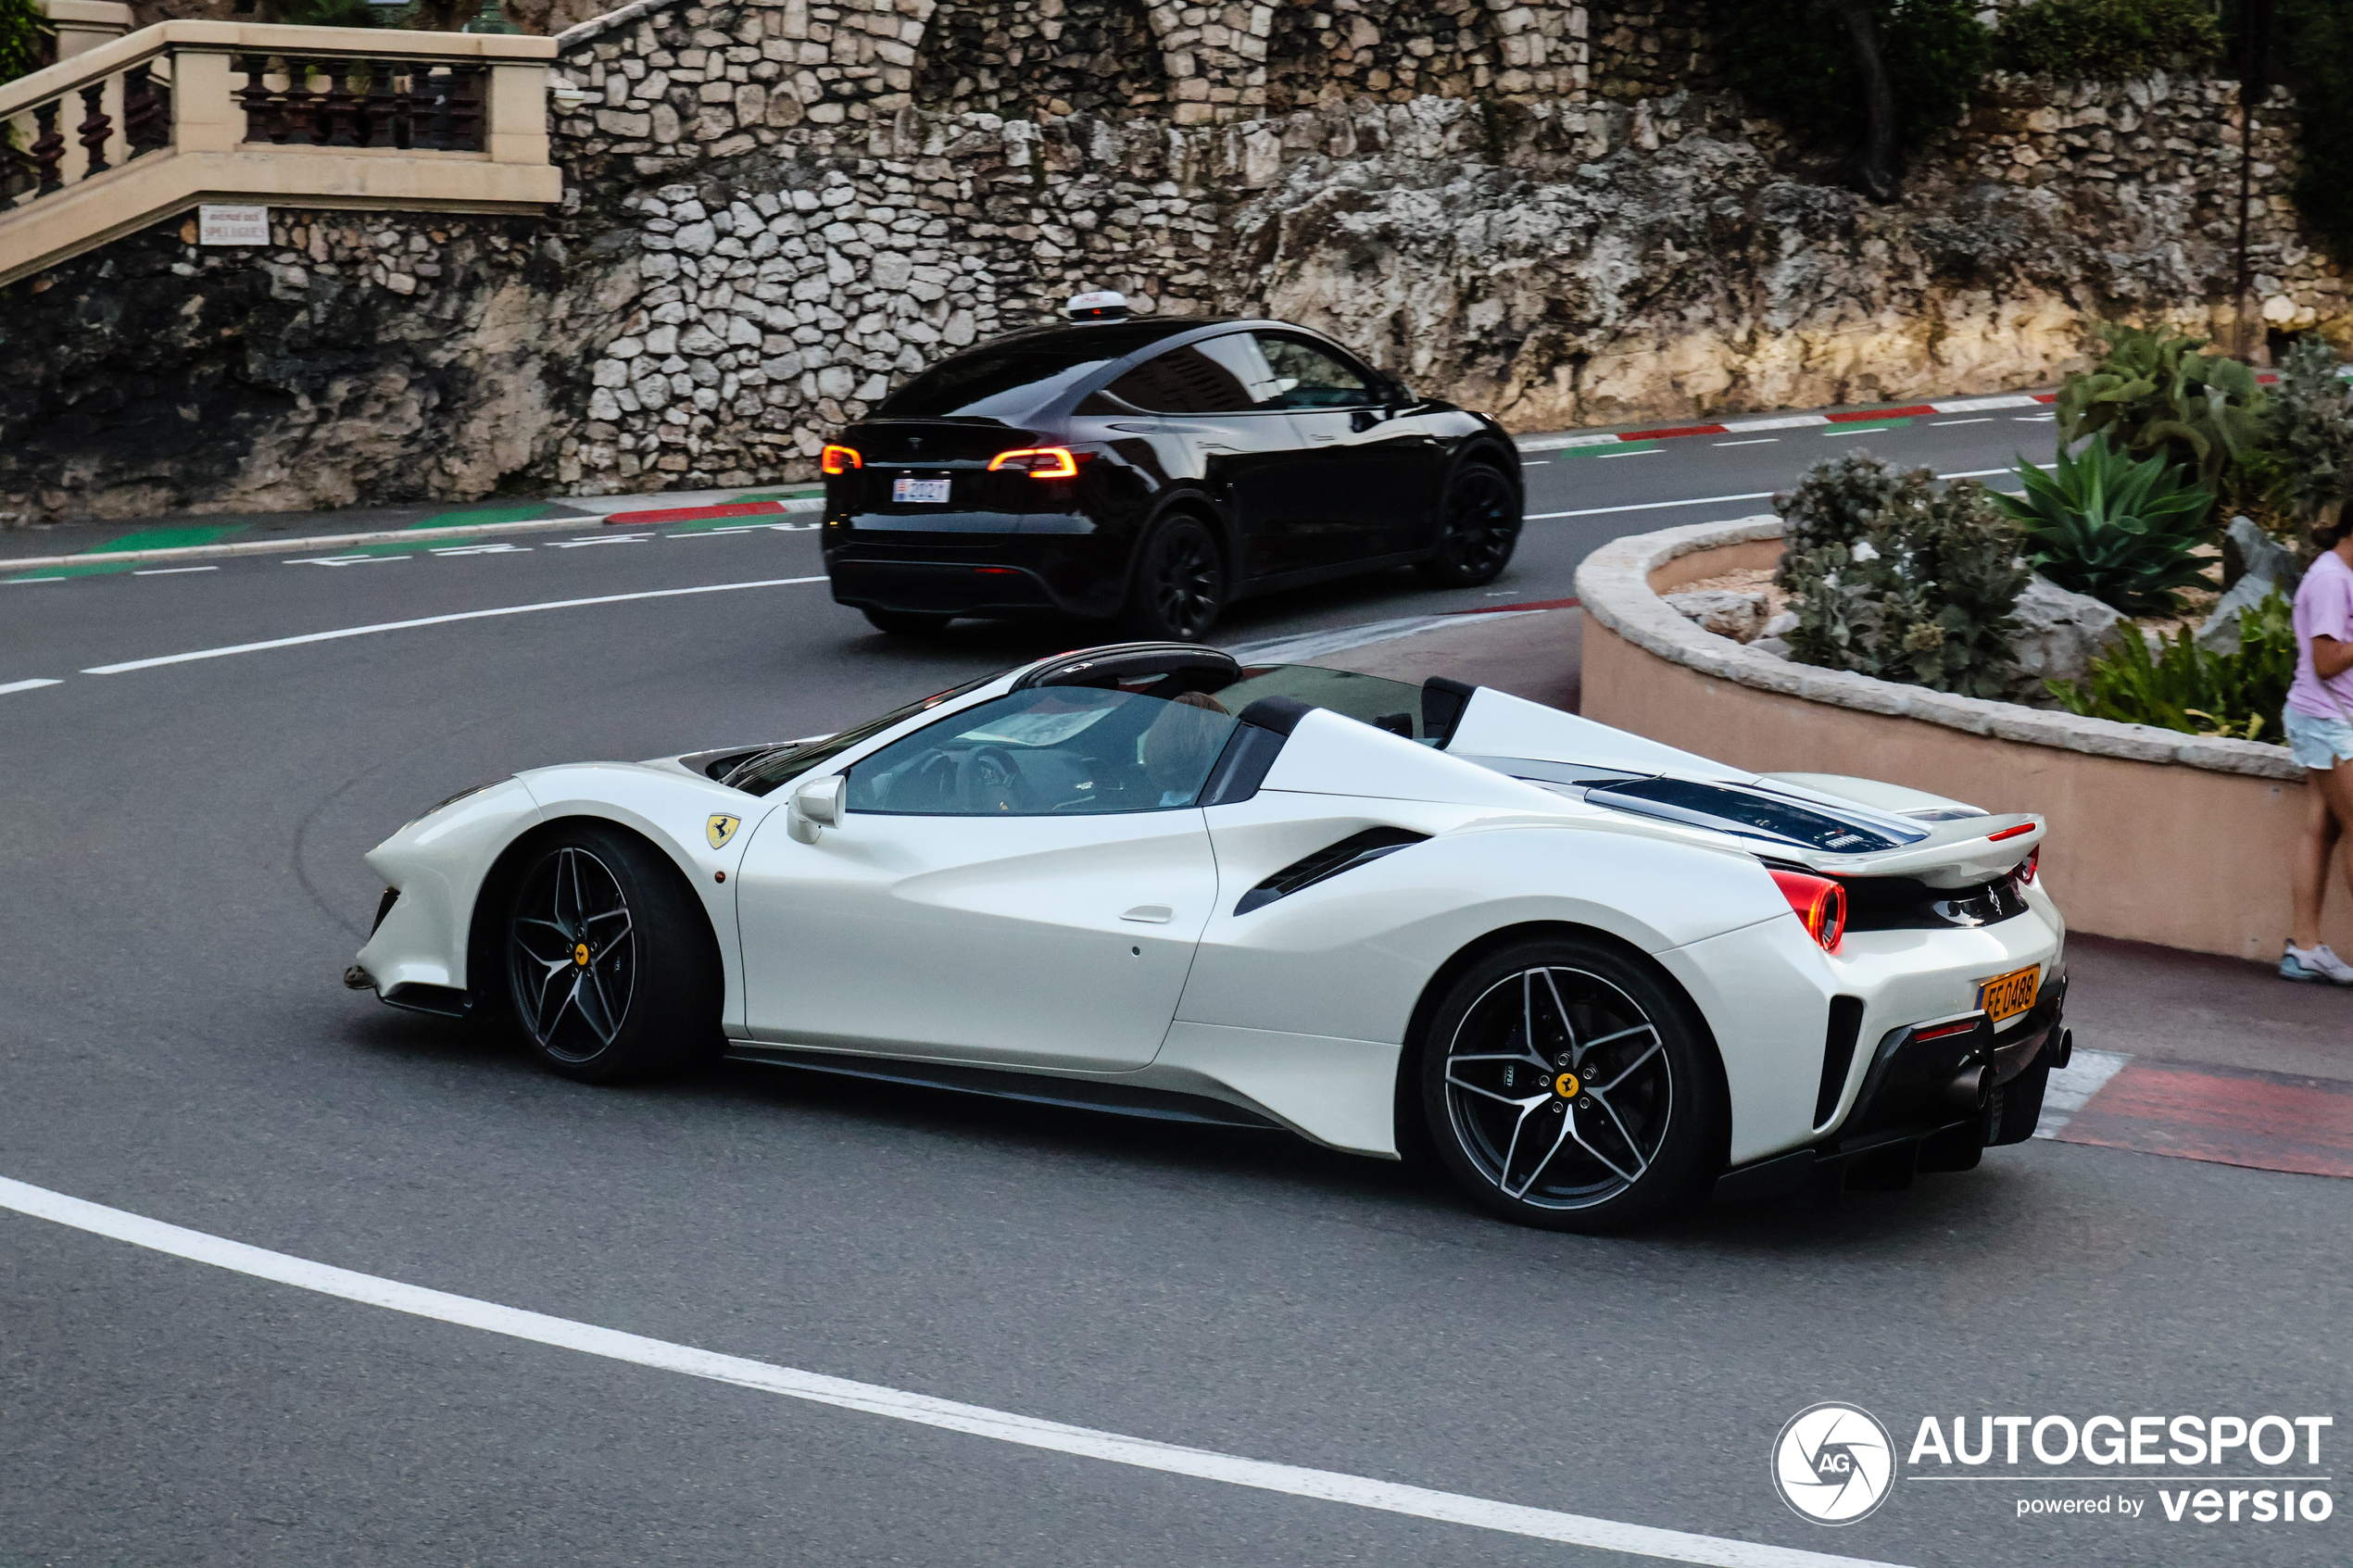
[391, 536]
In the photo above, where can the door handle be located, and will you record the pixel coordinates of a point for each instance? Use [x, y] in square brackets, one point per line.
[1150, 914]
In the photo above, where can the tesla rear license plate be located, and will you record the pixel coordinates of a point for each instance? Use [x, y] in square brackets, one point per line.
[2006, 996]
[920, 492]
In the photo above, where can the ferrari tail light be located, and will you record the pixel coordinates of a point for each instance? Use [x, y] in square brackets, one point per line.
[1038, 462]
[2026, 869]
[1819, 902]
[839, 459]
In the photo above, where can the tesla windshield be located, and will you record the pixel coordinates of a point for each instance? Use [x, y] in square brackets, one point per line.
[1011, 377]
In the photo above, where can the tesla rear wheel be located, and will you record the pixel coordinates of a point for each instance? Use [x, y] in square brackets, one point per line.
[1566, 1087]
[907, 623]
[1181, 584]
[609, 964]
[1478, 530]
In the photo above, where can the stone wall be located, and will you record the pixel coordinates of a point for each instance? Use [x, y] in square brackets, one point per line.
[779, 207]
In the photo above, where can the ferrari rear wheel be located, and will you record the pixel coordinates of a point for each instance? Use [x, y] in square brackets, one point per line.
[608, 961]
[1565, 1087]
[1478, 530]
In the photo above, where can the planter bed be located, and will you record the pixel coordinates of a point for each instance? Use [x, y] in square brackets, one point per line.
[2156, 835]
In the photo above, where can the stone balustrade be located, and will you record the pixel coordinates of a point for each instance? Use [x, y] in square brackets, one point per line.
[140, 127]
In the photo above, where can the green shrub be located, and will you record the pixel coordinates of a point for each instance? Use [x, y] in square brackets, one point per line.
[2313, 434]
[2155, 395]
[1792, 59]
[2107, 40]
[1890, 577]
[26, 38]
[2117, 527]
[2184, 687]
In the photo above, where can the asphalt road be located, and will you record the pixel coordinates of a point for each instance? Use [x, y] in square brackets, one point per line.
[180, 859]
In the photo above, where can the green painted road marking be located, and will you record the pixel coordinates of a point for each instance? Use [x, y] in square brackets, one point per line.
[165, 538]
[1859, 426]
[1614, 449]
[93, 569]
[776, 495]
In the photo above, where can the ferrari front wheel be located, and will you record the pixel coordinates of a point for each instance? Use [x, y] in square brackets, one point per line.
[1565, 1086]
[610, 964]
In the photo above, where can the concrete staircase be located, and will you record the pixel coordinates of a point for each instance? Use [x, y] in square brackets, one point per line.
[147, 125]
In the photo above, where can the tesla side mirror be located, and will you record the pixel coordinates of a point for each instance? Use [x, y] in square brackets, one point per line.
[814, 805]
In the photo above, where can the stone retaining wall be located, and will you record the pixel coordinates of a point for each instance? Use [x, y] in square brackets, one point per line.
[779, 206]
[2155, 836]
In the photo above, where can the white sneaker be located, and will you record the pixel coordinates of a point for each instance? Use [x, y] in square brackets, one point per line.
[2315, 963]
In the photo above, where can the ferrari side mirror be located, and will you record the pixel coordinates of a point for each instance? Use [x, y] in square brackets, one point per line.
[815, 804]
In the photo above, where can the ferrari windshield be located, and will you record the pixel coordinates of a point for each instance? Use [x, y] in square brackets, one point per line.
[1114, 745]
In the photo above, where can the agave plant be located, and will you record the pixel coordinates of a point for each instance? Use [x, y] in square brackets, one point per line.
[2115, 527]
[2155, 395]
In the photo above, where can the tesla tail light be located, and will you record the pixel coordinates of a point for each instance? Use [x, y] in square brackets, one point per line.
[1038, 462]
[840, 459]
[1819, 902]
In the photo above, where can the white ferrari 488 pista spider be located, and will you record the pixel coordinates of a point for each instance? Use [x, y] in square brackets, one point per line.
[1592, 974]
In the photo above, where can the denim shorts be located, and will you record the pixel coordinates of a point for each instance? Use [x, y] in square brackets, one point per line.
[2319, 744]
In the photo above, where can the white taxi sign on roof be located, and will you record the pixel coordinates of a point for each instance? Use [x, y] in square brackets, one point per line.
[1098, 305]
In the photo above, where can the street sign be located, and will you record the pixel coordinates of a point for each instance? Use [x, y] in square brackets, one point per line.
[233, 225]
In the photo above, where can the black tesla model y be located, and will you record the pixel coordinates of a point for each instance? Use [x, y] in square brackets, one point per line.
[1153, 471]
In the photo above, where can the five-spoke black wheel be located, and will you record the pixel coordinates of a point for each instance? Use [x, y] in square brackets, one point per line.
[1564, 1084]
[611, 965]
[1180, 583]
[1477, 531]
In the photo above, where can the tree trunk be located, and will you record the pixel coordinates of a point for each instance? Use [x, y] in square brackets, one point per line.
[1873, 163]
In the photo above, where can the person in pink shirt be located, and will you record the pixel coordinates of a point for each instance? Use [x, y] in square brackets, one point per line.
[2318, 718]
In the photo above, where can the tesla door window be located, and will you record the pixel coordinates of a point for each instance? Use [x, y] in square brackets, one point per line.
[1050, 751]
[1184, 380]
[1307, 377]
[1013, 378]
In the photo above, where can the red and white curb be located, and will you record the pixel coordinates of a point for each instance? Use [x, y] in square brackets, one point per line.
[1789, 421]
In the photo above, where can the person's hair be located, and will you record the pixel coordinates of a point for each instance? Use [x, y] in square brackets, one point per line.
[2328, 535]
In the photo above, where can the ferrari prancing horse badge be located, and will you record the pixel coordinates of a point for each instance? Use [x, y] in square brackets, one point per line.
[722, 828]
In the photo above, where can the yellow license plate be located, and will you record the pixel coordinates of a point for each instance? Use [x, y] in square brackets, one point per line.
[2006, 996]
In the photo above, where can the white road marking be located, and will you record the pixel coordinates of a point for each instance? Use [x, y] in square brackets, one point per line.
[1645, 452]
[1980, 420]
[479, 549]
[1752, 441]
[1856, 430]
[899, 1404]
[2033, 419]
[600, 539]
[1315, 644]
[1981, 474]
[171, 570]
[25, 685]
[2071, 1088]
[1654, 505]
[1535, 462]
[340, 561]
[437, 620]
[36, 579]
